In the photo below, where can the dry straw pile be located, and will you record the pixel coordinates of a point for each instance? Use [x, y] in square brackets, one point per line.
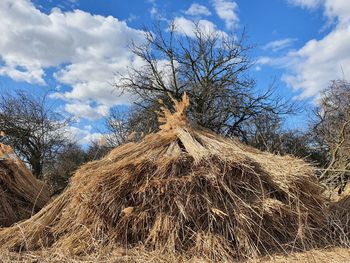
[21, 194]
[340, 218]
[182, 191]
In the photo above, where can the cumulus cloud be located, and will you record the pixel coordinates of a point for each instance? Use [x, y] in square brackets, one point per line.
[85, 50]
[197, 10]
[339, 10]
[26, 74]
[333, 9]
[311, 68]
[280, 44]
[188, 27]
[227, 11]
[83, 135]
[317, 63]
[86, 110]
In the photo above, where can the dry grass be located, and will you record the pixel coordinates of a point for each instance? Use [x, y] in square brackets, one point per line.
[180, 195]
[339, 218]
[21, 194]
[337, 255]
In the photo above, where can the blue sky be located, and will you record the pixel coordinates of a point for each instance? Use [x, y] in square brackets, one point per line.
[73, 48]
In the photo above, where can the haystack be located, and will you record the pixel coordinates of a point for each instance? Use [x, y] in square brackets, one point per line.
[21, 194]
[340, 217]
[184, 191]
[343, 210]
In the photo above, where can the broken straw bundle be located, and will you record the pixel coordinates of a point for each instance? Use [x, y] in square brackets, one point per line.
[21, 194]
[184, 191]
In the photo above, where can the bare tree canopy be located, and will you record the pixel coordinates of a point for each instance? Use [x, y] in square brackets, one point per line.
[211, 67]
[118, 127]
[62, 168]
[332, 129]
[32, 128]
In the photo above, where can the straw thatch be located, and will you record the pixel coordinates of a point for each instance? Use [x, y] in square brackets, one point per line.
[184, 191]
[343, 211]
[21, 194]
[340, 217]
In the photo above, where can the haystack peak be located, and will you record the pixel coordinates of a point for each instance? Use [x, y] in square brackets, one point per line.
[177, 119]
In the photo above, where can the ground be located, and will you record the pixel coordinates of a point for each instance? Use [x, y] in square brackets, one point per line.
[338, 255]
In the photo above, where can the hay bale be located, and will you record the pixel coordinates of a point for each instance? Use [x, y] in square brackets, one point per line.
[340, 218]
[342, 210]
[21, 194]
[184, 191]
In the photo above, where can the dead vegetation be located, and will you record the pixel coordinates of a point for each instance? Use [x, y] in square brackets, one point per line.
[21, 194]
[337, 255]
[183, 192]
[340, 217]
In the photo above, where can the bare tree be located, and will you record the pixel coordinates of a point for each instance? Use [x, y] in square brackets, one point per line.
[264, 132]
[32, 128]
[211, 67]
[72, 156]
[118, 128]
[332, 128]
[268, 133]
[97, 151]
[59, 172]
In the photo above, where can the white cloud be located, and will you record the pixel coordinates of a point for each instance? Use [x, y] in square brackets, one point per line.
[188, 27]
[197, 10]
[92, 80]
[310, 4]
[227, 11]
[86, 50]
[280, 44]
[283, 61]
[311, 68]
[84, 135]
[86, 111]
[333, 9]
[317, 63]
[27, 74]
[338, 9]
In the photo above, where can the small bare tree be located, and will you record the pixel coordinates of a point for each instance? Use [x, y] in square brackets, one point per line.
[59, 172]
[211, 67]
[268, 133]
[32, 128]
[332, 128]
[118, 128]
